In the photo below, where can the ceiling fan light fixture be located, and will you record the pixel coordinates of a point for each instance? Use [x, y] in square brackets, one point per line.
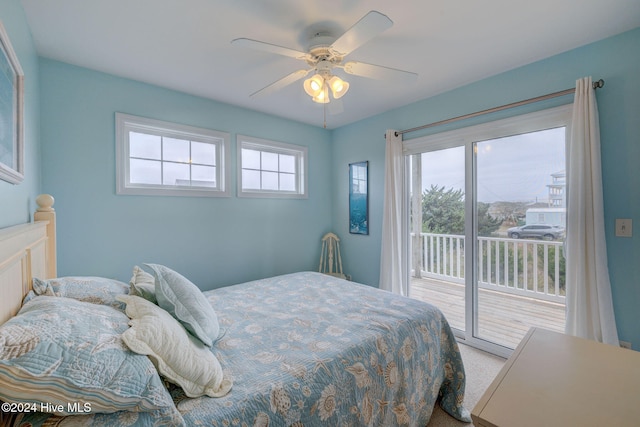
[314, 86]
[326, 53]
[338, 87]
[322, 97]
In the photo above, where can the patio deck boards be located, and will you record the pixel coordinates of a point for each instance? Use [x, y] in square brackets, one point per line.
[502, 318]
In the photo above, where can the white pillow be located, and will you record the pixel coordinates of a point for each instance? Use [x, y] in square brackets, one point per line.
[178, 356]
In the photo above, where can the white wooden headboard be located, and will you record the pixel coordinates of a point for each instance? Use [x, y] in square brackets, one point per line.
[26, 251]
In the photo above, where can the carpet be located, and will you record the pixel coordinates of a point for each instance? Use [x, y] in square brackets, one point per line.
[481, 368]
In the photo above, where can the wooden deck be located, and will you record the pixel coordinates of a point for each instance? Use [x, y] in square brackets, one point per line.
[502, 318]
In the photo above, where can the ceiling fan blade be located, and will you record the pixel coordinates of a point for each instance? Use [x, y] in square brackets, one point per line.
[378, 72]
[271, 48]
[369, 26]
[277, 85]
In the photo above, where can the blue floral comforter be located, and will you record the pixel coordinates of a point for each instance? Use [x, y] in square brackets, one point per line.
[307, 349]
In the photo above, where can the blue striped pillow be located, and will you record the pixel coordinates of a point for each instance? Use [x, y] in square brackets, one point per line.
[58, 352]
[97, 290]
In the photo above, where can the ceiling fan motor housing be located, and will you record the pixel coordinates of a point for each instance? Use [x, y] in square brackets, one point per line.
[324, 67]
[320, 40]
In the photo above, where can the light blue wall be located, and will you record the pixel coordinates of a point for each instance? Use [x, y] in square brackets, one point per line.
[616, 60]
[213, 241]
[76, 161]
[17, 202]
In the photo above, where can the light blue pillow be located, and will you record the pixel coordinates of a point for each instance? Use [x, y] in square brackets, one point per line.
[186, 303]
[59, 350]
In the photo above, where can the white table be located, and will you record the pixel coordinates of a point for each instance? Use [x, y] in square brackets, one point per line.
[552, 379]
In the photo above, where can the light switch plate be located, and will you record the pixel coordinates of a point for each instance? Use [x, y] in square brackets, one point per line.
[624, 227]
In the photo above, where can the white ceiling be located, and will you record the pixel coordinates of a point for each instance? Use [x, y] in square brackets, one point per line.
[185, 44]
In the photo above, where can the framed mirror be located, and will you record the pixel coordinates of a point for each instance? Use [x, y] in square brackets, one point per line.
[11, 113]
[359, 198]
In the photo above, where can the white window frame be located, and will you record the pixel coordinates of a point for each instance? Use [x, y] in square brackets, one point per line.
[126, 123]
[525, 123]
[528, 122]
[299, 152]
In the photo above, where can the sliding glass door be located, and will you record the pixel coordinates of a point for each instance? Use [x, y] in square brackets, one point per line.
[521, 221]
[487, 220]
[438, 230]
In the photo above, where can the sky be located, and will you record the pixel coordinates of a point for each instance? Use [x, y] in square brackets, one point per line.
[515, 168]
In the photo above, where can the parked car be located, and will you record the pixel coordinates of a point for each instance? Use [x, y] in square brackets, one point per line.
[541, 231]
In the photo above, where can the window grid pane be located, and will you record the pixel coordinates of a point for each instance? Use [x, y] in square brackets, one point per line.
[176, 150]
[176, 174]
[273, 171]
[162, 158]
[175, 165]
[145, 171]
[269, 161]
[269, 180]
[250, 159]
[250, 179]
[144, 146]
[287, 182]
[203, 176]
[270, 169]
[287, 163]
[203, 153]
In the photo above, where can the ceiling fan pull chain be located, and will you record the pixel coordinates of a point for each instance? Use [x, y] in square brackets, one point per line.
[324, 112]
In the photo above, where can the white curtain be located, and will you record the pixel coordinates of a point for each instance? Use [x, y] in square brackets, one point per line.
[392, 254]
[589, 304]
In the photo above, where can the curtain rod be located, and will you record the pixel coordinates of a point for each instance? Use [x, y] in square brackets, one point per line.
[596, 85]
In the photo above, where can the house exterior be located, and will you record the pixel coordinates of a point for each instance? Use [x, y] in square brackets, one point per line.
[557, 190]
[546, 216]
[556, 213]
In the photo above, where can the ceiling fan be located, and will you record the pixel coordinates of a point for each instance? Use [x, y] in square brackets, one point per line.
[325, 54]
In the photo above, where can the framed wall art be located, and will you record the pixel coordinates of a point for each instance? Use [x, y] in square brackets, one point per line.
[359, 198]
[11, 113]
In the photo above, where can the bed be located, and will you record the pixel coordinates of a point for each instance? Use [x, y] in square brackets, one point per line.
[302, 349]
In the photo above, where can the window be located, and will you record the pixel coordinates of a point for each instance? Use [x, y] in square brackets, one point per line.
[271, 169]
[468, 189]
[167, 159]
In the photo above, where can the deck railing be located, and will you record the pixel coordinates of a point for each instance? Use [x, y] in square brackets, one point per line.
[532, 268]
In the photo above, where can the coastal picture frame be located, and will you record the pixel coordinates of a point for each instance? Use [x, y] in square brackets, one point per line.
[11, 113]
[359, 198]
